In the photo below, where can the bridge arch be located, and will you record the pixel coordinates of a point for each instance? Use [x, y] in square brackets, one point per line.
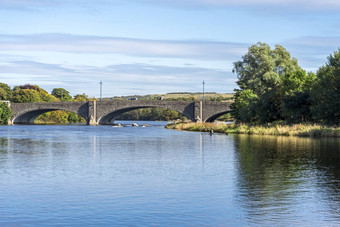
[26, 113]
[109, 117]
[217, 115]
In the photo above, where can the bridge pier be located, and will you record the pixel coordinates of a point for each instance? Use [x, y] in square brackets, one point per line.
[198, 111]
[92, 113]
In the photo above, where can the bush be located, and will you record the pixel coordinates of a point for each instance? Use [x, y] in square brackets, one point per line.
[5, 113]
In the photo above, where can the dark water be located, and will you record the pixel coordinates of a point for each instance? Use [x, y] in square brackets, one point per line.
[105, 176]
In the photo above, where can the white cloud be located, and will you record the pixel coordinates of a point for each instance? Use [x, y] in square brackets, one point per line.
[133, 47]
[124, 79]
[312, 51]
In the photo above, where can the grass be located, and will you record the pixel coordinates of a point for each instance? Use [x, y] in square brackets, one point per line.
[303, 130]
[182, 96]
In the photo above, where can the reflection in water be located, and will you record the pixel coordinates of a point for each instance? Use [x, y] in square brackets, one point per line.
[134, 176]
[281, 179]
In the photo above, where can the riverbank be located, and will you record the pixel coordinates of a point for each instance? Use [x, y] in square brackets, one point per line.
[304, 130]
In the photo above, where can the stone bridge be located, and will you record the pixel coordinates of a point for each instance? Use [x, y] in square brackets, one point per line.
[106, 112]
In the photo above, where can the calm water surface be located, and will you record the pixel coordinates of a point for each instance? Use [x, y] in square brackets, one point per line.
[106, 176]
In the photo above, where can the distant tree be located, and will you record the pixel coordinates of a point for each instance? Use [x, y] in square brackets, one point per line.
[5, 92]
[45, 97]
[25, 96]
[5, 113]
[62, 94]
[326, 91]
[80, 98]
[31, 93]
[29, 86]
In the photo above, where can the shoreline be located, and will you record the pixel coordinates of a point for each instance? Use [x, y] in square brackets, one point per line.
[300, 130]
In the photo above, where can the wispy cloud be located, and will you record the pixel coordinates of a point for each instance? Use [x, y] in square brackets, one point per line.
[133, 47]
[136, 77]
[121, 79]
[293, 5]
[312, 51]
[26, 5]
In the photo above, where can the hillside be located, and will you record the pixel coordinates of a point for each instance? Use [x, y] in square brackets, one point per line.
[211, 96]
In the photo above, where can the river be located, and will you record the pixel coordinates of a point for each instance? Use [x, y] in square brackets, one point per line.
[77, 175]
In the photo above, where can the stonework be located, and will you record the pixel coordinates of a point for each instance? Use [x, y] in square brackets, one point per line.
[107, 111]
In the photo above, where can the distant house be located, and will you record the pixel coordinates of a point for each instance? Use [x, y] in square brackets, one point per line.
[134, 98]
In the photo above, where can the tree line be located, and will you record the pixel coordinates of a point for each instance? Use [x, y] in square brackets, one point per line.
[273, 87]
[33, 93]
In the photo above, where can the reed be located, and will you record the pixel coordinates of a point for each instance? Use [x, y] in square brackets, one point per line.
[305, 130]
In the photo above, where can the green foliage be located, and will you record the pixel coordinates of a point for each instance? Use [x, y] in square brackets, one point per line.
[75, 118]
[5, 113]
[261, 69]
[244, 105]
[62, 94]
[45, 97]
[326, 91]
[296, 107]
[156, 114]
[265, 77]
[297, 81]
[25, 96]
[59, 117]
[31, 93]
[81, 98]
[5, 92]
[268, 106]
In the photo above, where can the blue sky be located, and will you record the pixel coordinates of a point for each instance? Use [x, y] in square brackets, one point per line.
[154, 46]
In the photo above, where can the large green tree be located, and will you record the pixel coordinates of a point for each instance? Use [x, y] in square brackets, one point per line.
[260, 74]
[262, 69]
[326, 91]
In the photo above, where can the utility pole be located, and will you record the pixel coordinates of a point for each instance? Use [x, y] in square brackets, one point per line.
[203, 90]
[101, 89]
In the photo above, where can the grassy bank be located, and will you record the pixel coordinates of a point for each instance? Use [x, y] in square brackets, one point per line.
[306, 130]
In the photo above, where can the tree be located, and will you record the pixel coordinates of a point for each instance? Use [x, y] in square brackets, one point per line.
[296, 102]
[326, 91]
[261, 69]
[5, 113]
[244, 105]
[5, 92]
[261, 74]
[31, 93]
[296, 106]
[62, 94]
[81, 98]
[297, 81]
[25, 96]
